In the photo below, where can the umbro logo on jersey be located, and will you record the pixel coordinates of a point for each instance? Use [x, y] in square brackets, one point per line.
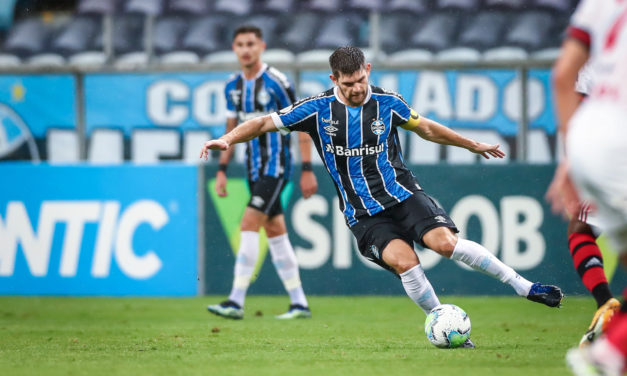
[330, 130]
[377, 127]
[354, 152]
[440, 219]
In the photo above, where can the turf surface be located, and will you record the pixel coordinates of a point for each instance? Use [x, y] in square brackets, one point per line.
[346, 336]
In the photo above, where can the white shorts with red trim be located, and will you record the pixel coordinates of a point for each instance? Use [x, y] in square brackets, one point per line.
[597, 150]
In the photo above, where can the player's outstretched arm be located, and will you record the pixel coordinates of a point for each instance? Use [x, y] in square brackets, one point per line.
[433, 131]
[244, 132]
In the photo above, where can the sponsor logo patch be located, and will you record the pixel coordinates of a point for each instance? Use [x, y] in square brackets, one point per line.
[354, 152]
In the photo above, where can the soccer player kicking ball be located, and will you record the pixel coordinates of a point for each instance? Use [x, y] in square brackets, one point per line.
[354, 128]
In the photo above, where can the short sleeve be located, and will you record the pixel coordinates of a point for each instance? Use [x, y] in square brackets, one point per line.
[297, 117]
[400, 110]
[230, 106]
[582, 23]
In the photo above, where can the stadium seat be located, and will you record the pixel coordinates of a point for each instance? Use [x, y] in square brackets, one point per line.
[27, 37]
[321, 56]
[394, 29]
[437, 33]
[458, 54]
[505, 53]
[364, 5]
[145, 7]
[484, 30]
[411, 6]
[279, 56]
[192, 7]
[505, 4]
[202, 38]
[9, 61]
[277, 6]
[77, 36]
[168, 35]
[327, 6]
[298, 34]
[77, 42]
[97, 6]
[233, 7]
[221, 58]
[128, 39]
[340, 30]
[557, 6]
[458, 5]
[529, 30]
[410, 56]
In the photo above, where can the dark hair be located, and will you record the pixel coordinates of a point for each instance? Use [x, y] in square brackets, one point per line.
[244, 29]
[346, 60]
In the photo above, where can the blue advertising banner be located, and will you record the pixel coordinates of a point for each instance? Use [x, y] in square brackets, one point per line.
[31, 106]
[475, 99]
[165, 100]
[106, 230]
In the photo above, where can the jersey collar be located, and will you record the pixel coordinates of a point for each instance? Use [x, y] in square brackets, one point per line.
[337, 96]
[264, 66]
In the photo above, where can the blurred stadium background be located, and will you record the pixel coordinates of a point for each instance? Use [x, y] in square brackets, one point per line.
[105, 103]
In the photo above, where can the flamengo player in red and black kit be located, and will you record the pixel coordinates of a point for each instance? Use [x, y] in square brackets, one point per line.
[595, 166]
[583, 230]
[354, 127]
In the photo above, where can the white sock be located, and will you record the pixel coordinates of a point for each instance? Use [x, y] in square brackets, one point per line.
[244, 265]
[480, 259]
[286, 265]
[419, 289]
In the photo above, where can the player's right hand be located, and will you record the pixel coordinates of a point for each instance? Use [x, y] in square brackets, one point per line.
[221, 184]
[218, 144]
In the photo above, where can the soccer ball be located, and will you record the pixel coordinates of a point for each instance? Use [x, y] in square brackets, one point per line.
[447, 326]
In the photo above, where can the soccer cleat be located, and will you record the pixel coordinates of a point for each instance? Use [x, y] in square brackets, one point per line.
[296, 311]
[582, 363]
[227, 309]
[468, 344]
[600, 321]
[545, 294]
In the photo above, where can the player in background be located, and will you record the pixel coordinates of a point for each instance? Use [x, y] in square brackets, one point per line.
[583, 230]
[595, 165]
[256, 90]
[354, 128]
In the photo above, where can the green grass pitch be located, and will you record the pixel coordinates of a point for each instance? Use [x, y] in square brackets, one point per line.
[346, 336]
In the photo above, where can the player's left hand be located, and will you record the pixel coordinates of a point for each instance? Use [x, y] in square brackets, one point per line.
[487, 150]
[218, 144]
[308, 183]
[562, 194]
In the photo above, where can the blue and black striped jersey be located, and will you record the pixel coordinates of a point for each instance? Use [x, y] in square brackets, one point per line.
[359, 147]
[270, 91]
